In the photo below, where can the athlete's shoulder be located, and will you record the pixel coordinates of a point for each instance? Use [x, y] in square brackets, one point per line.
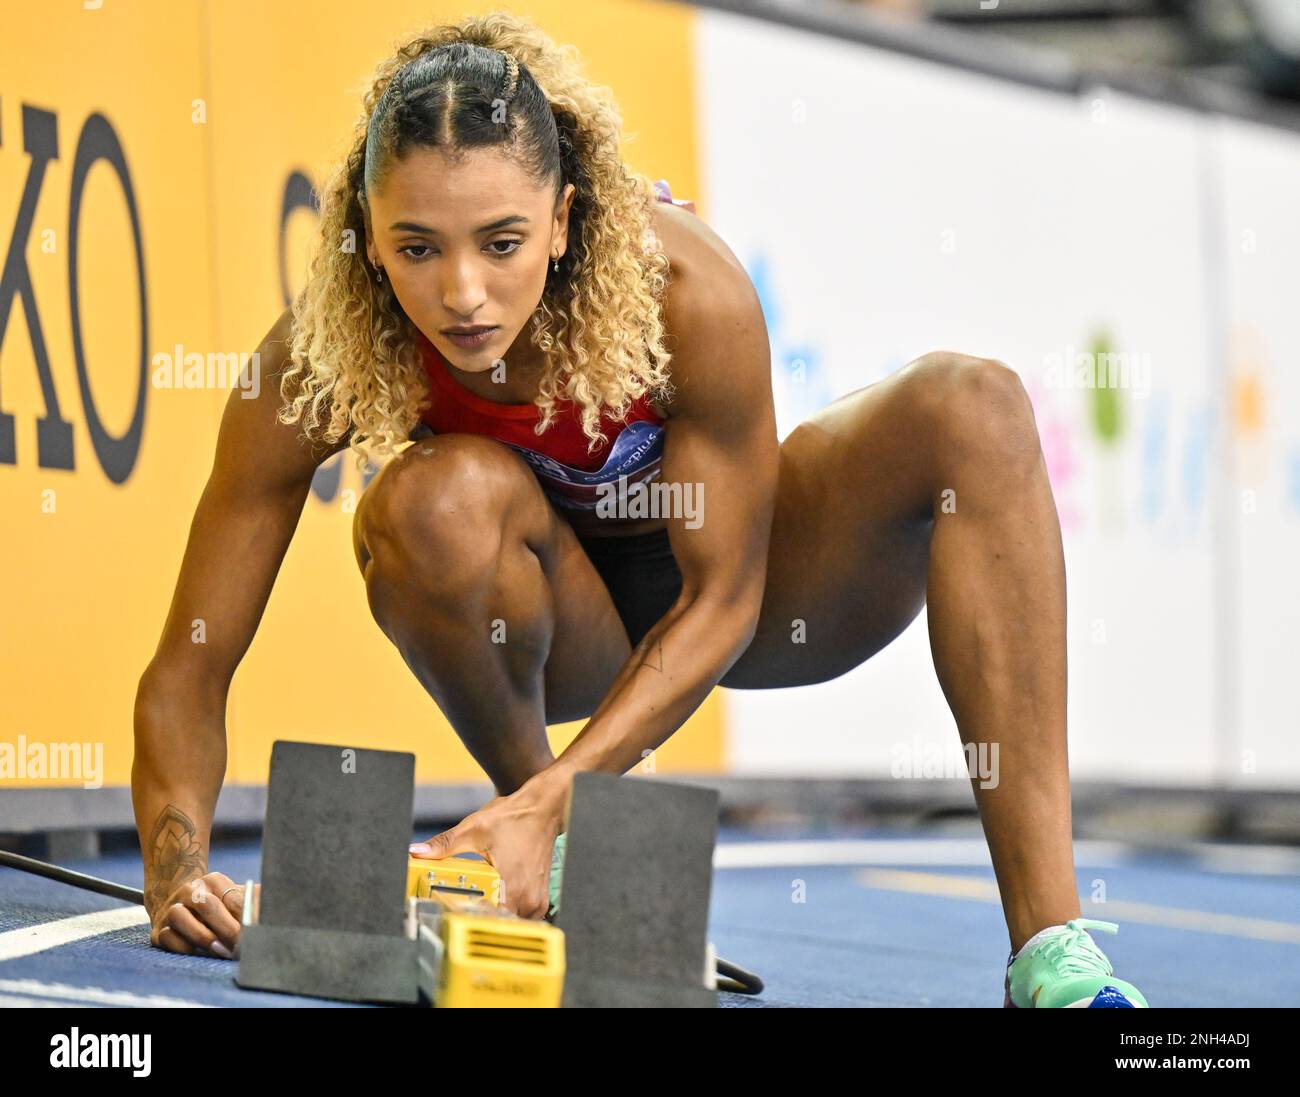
[709, 290]
[712, 317]
[695, 251]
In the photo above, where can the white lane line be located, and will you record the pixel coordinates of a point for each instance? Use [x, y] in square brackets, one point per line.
[924, 851]
[1113, 910]
[973, 852]
[63, 994]
[27, 1003]
[32, 939]
[1248, 860]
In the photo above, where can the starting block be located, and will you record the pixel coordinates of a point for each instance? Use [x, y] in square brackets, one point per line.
[472, 953]
[346, 913]
[329, 923]
[634, 906]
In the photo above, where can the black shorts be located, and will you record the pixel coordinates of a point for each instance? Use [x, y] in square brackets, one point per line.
[641, 574]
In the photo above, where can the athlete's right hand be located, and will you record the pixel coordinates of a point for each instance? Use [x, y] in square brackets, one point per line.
[201, 917]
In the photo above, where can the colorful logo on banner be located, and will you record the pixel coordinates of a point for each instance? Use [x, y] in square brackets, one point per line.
[1112, 417]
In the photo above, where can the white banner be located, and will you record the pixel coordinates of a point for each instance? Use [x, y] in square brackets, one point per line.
[885, 207]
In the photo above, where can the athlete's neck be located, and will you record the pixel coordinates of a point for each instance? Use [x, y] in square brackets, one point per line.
[516, 384]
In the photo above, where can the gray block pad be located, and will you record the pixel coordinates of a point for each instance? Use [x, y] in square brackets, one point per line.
[634, 908]
[334, 856]
[587, 990]
[321, 963]
[334, 850]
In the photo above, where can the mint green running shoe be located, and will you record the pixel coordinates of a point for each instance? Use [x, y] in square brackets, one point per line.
[1062, 967]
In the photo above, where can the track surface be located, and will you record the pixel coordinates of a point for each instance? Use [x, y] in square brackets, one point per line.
[869, 918]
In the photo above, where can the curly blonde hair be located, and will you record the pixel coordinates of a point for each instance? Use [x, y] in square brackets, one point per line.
[355, 368]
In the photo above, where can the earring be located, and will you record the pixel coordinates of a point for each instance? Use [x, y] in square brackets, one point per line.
[379, 276]
[556, 265]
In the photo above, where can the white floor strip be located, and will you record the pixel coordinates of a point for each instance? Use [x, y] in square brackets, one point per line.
[13, 1001]
[1113, 910]
[62, 994]
[9, 1002]
[921, 851]
[32, 939]
[1248, 860]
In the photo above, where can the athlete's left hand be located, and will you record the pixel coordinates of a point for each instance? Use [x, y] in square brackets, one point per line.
[516, 834]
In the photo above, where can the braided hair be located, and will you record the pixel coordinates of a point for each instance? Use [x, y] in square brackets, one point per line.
[487, 81]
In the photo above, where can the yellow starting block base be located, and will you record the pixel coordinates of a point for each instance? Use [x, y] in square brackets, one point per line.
[471, 951]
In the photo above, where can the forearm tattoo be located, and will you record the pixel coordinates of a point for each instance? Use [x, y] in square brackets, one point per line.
[174, 855]
[652, 654]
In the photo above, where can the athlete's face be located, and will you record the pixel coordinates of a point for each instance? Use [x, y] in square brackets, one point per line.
[466, 242]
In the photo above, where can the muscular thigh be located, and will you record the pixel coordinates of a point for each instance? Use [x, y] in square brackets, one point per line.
[849, 551]
[588, 643]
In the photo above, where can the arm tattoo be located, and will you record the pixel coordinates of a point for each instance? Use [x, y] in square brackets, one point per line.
[173, 856]
[653, 655]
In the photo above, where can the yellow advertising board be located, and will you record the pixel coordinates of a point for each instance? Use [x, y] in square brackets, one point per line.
[157, 161]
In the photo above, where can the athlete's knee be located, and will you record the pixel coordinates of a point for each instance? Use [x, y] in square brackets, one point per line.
[438, 508]
[975, 408]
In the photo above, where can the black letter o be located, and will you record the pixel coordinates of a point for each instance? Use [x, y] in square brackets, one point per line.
[99, 142]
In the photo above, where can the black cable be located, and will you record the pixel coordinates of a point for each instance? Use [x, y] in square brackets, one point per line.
[67, 876]
[736, 979]
[731, 977]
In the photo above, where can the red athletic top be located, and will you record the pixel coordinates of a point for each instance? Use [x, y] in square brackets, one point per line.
[569, 475]
[559, 457]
